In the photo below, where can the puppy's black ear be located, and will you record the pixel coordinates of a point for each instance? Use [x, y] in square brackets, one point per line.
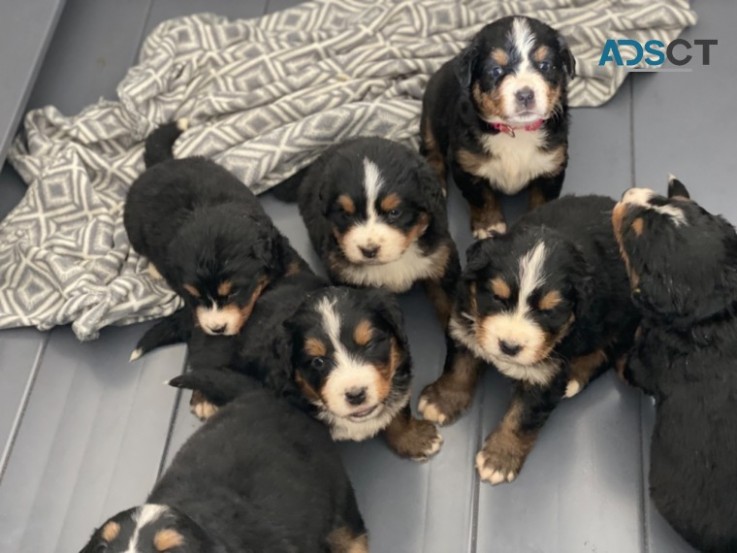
[569, 60]
[677, 189]
[390, 313]
[465, 63]
[476, 257]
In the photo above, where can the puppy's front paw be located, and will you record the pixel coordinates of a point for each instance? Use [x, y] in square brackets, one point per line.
[443, 404]
[200, 407]
[499, 460]
[418, 441]
[490, 232]
[572, 388]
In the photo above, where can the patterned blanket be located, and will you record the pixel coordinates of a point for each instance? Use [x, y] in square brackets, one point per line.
[265, 96]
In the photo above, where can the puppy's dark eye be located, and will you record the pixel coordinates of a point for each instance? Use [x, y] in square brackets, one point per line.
[317, 363]
[393, 214]
[544, 66]
[497, 72]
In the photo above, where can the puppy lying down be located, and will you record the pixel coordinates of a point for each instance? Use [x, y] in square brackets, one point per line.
[260, 476]
[682, 265]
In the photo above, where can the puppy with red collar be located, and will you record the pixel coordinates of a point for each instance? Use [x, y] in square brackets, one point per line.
[496, 118]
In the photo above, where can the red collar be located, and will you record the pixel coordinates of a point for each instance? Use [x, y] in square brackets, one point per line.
[509, 129]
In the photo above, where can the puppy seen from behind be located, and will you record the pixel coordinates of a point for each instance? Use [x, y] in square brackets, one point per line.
[682, 265]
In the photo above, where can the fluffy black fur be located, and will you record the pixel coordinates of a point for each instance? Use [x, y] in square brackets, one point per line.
[405, 242]
[206, 234]
[472, 117]
[278, 486]
[552, 326]
[684, 279]
[286, 347]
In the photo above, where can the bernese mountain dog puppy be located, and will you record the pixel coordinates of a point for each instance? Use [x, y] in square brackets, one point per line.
[279, 486]
[496, 118]
[549, 306]
[377, 217]
[339, 353]
[682, 264]
[205, 232]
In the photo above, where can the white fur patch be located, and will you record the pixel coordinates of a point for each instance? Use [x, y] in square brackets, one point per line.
[342, 428]
[516, 161]
[641, 197]
[145, 514]
[211, 318]
[397, 276]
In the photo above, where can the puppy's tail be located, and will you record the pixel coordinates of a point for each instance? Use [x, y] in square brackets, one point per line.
[288, 190]
[173, 329]
[219, 386]
[159, 144]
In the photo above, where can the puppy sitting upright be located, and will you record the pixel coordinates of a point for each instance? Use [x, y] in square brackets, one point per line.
[260, 476]
[682, 265]
[548, 305]
[496, 118]
[377, 217]
[206, 234]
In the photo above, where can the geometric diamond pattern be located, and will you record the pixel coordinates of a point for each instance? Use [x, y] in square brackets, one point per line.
[264, 97]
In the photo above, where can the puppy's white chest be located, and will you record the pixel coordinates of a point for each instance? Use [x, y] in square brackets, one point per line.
[397, 276]
[515, 161]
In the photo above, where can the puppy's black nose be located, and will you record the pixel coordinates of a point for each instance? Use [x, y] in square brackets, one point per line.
[525, 96]
[370, 252]
[355, 396]
[509, 348]
[218, 329]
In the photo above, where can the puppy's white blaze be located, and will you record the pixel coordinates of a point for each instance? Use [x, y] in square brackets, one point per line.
[348, 372]
[524, 39]
[372, 183]
[641, 197]
[531, 275]
[144, 515]
[213, 317]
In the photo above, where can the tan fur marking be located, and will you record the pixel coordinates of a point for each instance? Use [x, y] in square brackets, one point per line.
[618, 214]
[346, 203]
[490, 104]
[554, 94]
[509, 443]
[192, 290]
[110, 531]
[541, 53]
[537, 198]
[225, 288]
[584, 367]
[638, 226]
[307, 390]
[411, 437]
[387, 370]
[552, 339]
[167, 539]
[342, 540]
[315, 347]
[419, 228]
[499, 56]
[243, 314]
[293, 268]
[363, 333]
[550, 300]
[435, 158]
[391, 201]
[500, 288]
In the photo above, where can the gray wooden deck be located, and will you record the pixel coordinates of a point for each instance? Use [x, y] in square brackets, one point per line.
[83, 433]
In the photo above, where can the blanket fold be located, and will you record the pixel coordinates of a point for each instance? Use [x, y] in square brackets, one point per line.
[264, 97]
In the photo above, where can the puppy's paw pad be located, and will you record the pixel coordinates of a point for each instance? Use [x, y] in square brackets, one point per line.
[430, 411]
[573, 388]
[204, 410]
[490, 232]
